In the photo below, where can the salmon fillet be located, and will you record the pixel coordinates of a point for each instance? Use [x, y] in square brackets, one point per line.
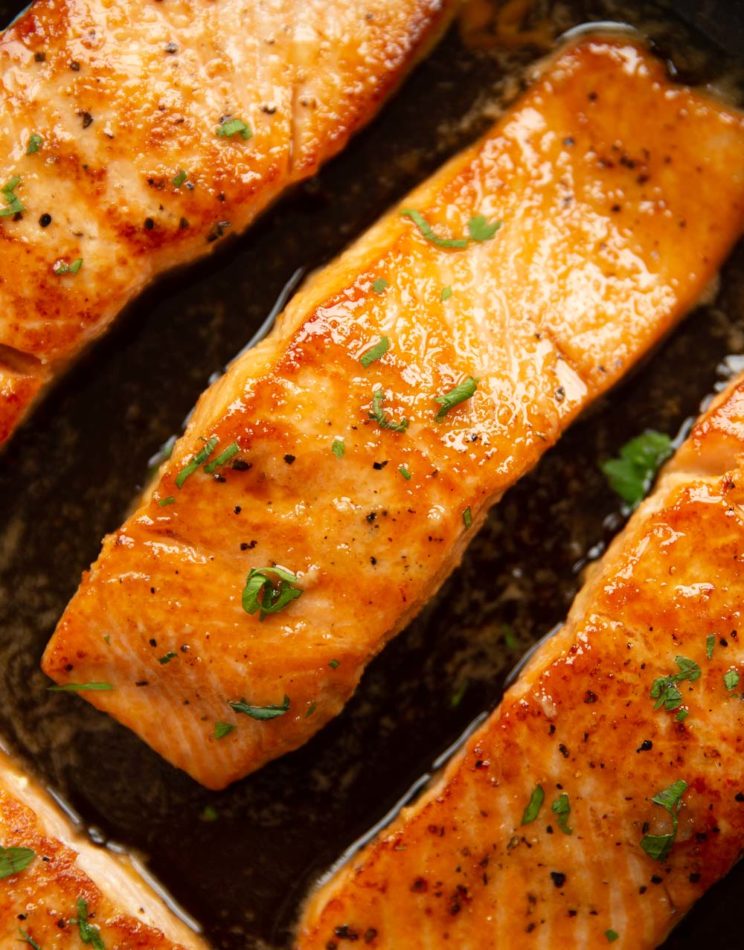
[41, 900]
[135, 135]
[364, 474]
[586, 724]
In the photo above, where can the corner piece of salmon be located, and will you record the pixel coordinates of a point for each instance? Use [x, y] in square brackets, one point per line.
[404, 389]
[135, 135]
[486, 860]
[57, 869]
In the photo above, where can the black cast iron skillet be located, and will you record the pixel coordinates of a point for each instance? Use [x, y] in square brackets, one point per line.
[242, 866]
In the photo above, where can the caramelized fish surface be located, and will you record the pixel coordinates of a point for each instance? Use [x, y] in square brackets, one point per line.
[41, 901]
[614, 221]
[136, 135]
[464, 868]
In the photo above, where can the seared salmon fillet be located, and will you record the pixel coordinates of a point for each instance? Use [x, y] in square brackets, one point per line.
[57, 888]
[405, 388]
[606, 793]
[135, 135]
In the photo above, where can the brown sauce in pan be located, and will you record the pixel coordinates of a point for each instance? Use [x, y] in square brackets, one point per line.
[70, 474]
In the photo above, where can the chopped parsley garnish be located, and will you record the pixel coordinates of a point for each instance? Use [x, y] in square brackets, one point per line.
[375, 352]
[631, 474]
[534, 805]
[380, 285]
[179, 179]
[35, 141]
[510, 637]
[81, 688]
[457, 697]
[682, 715]
[670, 799]
[445, 294]
[405, 471]
[223, 458]
[334, 664]
[170, 500]
[612, 935]
[311, 709]
[89, 934]
[481, 229]
[338, 448]
[710, 642]
[428, 232]
[230, 127]
[561, 808]
[378, 414]
[664, 688]
[26, 937]
[467, 517]
[222, 729]
[167, 657]
[263, 594]
[199, 459]
[13, 860]
[62, 267]
[260, 712]
[209, 813]
[13, 202]
[731, 680]
[464, 390]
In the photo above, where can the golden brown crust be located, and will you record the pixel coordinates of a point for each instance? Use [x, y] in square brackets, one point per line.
[591, 174]
[460, 868]
[125, 97]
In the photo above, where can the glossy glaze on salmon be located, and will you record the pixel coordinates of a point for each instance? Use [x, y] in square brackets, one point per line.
[585, 720]
[348, 472]
[136, 135]
[57, 869]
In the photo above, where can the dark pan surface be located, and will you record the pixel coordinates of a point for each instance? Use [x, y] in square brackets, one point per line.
[70, 474]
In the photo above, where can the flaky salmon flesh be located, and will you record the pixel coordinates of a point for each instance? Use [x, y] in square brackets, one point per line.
[134, 136]
[606, 793]
[57, 891]
[329, 482]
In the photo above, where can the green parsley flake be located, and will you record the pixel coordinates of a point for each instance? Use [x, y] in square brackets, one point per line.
[26, 937]
[81, 688]
[467, 517]
[209, 813]
[405, 472]
[89, 934]
[35, 141]
[375, 352]
[612, 935]
[710, 642]
[428, 233]
[167, 657]
[378, 414]
[463, 391]
[199, 459]
[731, 680]
[13, 202]
[170, 500]
[62, 267]
[179, 179]
[14, 860]
[223, 458]
[260, 712]
[480, 229]
[380, 285]
[682, 715]
[664, 688]
[457, 697]
[534, 805]
[561, 808]
[334, 664]
[670, 799]
[310, 710]
[510, 637]
[222, 729]
[231, 127]
[631, 474]
[262, 594]
[338, 448]
[445, 294]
